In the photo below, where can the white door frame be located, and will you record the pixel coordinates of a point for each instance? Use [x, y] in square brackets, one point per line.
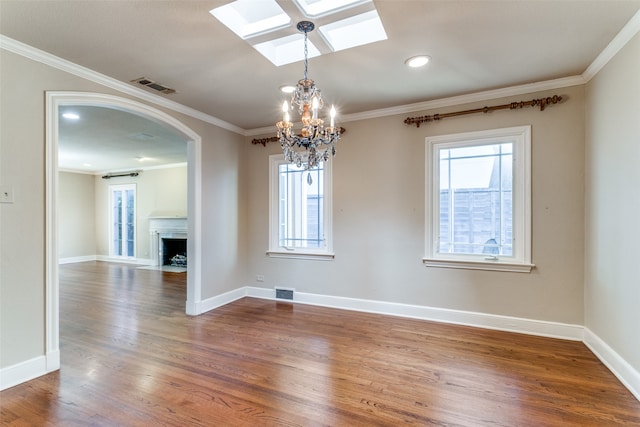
[54, 100]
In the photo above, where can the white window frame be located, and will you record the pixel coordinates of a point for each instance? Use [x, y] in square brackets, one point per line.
[277, 251]
[520, 261]
[123, 187]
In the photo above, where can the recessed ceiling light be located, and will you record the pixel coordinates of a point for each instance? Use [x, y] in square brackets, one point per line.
[287, 89]
[417, 61]
[71, 116]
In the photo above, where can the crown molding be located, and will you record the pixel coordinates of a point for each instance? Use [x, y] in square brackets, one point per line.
[77, 171]
[630, 29]
[468, 98]
[143, 169]
[451, 101]
[46, 58]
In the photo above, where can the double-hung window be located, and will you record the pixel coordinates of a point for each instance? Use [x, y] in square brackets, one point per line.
[478, 200]
[300, 210]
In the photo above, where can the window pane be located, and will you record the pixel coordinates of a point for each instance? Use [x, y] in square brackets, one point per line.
[117, 222]
[301, 207]
[130, 225]
[476, 200]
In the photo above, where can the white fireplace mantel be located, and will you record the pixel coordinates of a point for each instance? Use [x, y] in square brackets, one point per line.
[165, 228]
[164, 224]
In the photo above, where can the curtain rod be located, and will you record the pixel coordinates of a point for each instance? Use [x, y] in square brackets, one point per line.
[116, 175]
[265, 141]
[541, 102]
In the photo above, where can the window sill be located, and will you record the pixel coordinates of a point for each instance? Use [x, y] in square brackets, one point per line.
[319, 256]
[478, 265]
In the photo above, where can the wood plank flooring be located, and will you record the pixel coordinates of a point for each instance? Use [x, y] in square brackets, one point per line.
[131, 357]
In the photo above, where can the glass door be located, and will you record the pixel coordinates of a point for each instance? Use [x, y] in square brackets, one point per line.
[122, 201]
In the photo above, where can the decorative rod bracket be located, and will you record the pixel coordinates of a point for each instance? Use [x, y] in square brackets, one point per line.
[541, 102]
[265, 141]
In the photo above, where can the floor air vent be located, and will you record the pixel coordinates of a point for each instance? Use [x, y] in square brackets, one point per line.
[153, 85]
[282, 293]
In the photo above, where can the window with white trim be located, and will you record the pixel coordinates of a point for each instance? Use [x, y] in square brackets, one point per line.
[300, 210]
[122, 220]
[478, 200]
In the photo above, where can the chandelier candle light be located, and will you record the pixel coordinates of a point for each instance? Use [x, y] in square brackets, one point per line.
[315, 142]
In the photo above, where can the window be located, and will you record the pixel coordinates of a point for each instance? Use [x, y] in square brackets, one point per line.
[478, 200]
[300, 210]
[122, 211]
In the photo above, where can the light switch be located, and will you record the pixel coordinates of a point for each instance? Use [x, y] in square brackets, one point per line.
[6, 194]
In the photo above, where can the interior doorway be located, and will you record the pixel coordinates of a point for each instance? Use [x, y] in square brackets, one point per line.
[57, 101]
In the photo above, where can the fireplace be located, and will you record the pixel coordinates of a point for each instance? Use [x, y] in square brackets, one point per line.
[174, 252]
[169, 241]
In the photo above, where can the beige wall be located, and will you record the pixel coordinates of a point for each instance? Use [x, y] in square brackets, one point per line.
[76, 215]
[159, 192]
[83, 208]
[23, 85]
[612, 277]
[378, 216]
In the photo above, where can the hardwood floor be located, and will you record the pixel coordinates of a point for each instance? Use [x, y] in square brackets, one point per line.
[131, 357]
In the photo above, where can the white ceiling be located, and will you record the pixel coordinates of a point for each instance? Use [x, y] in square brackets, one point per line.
[475, 45]
[110, 140]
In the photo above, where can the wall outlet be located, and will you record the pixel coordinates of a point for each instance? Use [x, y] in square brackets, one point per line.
[259, 278]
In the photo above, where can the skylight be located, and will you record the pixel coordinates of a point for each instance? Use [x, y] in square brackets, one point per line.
[286, 50]
[274, 33]
[248, 18]
[315, 8]
[354, 31]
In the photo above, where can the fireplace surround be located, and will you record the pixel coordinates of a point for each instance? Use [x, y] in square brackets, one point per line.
[168, 241]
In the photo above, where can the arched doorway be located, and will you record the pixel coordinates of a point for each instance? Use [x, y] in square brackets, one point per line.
[57, 100]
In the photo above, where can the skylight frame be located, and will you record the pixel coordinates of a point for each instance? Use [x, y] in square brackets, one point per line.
[257, 21]
[354, 31]
[266, 16]
[318, 8]
[286, 50]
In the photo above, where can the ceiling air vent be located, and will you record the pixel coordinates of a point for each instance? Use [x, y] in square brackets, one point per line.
[153, 85]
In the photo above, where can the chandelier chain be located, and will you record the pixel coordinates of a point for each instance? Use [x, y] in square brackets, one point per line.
[306, 53]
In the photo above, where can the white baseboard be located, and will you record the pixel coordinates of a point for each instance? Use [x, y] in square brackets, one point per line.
[28, 370]
[74, 259]
[626, 373]
[457, 317]
[199, 307]
[85, 258]
[53, 360]
[136, 261]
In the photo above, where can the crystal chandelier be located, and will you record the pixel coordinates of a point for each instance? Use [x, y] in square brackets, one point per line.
[315, 143]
